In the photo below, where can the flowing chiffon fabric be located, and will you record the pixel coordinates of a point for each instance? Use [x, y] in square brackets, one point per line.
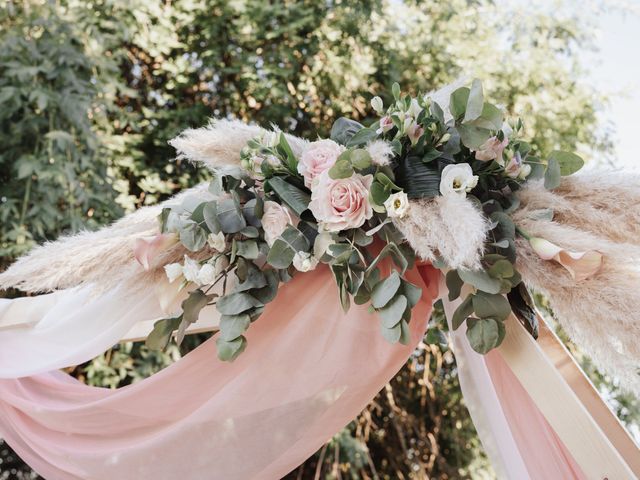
[308, 370]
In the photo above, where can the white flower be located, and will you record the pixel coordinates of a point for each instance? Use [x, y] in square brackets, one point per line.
[397, 205]
[304, 261]
[457, 179]
[275, 219]
[217, 242]
[173, 271]
[376, 103]
[190, 270]
[207, 274]
[414, 109]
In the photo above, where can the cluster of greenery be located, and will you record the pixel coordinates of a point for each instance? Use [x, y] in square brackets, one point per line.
[90, 92]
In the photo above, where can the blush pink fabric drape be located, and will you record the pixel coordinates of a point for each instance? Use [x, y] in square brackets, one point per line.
[308, 370]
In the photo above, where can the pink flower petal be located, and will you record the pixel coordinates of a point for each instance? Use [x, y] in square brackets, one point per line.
[147, 248]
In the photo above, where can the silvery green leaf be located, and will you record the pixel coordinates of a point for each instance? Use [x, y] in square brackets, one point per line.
[412, 293]
[236, 303]
[552, 175]
[385, 290]
[250, 232]
[405, 333]
[472, 136]
[286, 246]
[233, 326]
[458, 102]
[491, 118]
[437, 112]
[491, 305]
[360, 159]
[569, 162]
[247, 249]
[193, 237]
[481, 280]
[483, 334]
[270, 290]
[230, 216]
[252, 212]
[192, 305]
[254, 278]
[229, 350]
[210, 215]
[343, 129]
[475, 102]
[362, 137]
[341, 169]
[392, 335]
[462, 313]
[395, 90]
[159, 337]
[392, 312]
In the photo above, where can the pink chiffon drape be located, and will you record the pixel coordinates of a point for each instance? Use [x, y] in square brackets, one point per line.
[308, 370]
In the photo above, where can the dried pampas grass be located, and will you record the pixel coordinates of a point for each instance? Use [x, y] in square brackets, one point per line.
[103, 258]
[219, 143]
[600, 314]
[450, 227]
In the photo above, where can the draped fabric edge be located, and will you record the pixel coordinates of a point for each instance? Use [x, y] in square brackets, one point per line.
[589, 435]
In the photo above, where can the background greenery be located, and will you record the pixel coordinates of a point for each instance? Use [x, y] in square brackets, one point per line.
[91, 91]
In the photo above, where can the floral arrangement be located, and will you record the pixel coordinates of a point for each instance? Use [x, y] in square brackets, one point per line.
[342, 202]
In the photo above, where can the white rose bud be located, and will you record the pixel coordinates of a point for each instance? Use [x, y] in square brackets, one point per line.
[397, 205]
[207, 274]
[304, 261]
[457, 179]
[190, 270]
[173, 271]
[217, 242]
[376, 103]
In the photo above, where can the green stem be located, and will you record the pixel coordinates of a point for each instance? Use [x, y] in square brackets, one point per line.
[522, 233]
[25, 200]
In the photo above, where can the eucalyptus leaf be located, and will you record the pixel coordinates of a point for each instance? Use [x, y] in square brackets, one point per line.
[473, 136]
[552, 175]
[210, 215]
[341, 169]
[385, 290]
[454, 284]
[483, 334]
[392, 335]
[193, 237]
[392, 312]
[295, 198]
[569, 162]
[481, 280]
[230, 216]
[458, 102]
[247, 249]
[362, 137]
[233, 326]
[192, 305]
[229, 350]
[160, 335]
[405, 333]
[236, 303]
[286, 246]
[491, 305]
[270, 290]
[255, 278]
[475, 102]
[343, 129]
[462, 312]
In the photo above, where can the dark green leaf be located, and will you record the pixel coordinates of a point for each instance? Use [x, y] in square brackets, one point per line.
[343, 129]
[229, 351]
[481, 280]
[159, 337]
[454, 284]
[483, 334]
[491, 305]
[297, 199]
[462, 312]
[236, 303]
[233, 326]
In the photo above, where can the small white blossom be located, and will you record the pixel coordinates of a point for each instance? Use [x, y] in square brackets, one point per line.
[304, 261]
[376, 103]
[217, 242]
[397, 205]
[190, 270]
[457, 179]
[173, 271]
[414, 109]
[207, 274]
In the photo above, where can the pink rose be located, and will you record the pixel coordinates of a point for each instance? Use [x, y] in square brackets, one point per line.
[343, 203]
[275, 219]
[491, 149]
[318, 157]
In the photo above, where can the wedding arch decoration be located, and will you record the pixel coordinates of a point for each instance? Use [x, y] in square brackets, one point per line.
[316, 264]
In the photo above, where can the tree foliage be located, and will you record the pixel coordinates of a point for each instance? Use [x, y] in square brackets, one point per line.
[91, 91]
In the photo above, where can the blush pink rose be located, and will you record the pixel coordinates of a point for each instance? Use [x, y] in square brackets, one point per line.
[343, 203]
[275, 219]
[318, 157]
[491, 149]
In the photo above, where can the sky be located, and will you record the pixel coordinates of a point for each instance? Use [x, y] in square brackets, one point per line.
[616, 70]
